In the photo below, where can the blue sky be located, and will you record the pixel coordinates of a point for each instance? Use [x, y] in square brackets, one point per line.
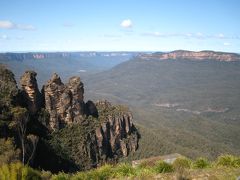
[123, 25]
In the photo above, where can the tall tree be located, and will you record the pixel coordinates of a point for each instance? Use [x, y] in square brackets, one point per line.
[21, 118]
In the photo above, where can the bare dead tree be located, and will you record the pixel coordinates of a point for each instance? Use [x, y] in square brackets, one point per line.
[32, 142]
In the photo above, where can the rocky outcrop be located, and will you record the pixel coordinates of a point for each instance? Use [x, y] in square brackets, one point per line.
[117, 135]
[91, 134]
[64, 102]
[192, 55]
[8, 87]
[30, 91]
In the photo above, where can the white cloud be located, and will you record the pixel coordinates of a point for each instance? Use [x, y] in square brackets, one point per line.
[200, 35]
[127, 23]
[155, 34]
[5, 24]
[226, 44]
[220, 35]
[26, 27]
[191, 35]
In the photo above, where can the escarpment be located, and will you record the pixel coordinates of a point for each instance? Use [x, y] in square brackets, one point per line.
[79, 135]
[194, 56]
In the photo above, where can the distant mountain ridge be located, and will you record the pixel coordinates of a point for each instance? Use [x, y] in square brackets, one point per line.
[43, 55]
[193, 55]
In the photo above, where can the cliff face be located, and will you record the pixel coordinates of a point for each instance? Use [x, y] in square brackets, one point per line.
[101, 140]
[116, 132]
[8, 87]
[31, 94]
[191, 55]
[64, 102]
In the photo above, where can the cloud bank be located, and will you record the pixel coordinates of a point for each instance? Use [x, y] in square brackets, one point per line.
[6, 24]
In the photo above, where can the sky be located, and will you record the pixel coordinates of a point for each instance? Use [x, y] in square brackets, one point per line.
[119, 25]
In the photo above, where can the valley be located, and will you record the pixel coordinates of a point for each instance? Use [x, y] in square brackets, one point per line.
[187, 106]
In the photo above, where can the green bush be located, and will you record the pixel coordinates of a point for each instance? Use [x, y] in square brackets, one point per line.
[182, 163]
[145, 172]
[17, 171]
[105, 171]
[29, 174]
[225, 160]
[101, 173]
[123, 170]
[46, 175]
[163, 167]
[201, 163]
[236, 162]
[228, 161]
[8, 152]
[60, 176]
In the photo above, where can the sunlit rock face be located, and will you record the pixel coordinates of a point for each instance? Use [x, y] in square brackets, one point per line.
[30, 91]
[64, 102]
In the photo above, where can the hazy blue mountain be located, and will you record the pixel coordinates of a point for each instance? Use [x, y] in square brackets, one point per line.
[65, 64]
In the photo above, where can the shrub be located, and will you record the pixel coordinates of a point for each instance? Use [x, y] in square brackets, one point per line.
[201, 163]
[182, 163]
[144, 172]
[104, 172]
[18, 171]
[81, 176]
[123, 170]
[228, 161]
[60, 176]
[29, 173]
[163, 167]
[46, 175]
[8, 152]
[101, 173]
[236, 162]
[225, 160]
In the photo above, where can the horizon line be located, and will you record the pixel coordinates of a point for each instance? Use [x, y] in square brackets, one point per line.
[108, 51]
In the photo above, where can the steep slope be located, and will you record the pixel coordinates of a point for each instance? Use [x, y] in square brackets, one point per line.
[182, 98]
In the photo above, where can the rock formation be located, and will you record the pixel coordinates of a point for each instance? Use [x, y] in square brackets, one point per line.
[8, 87]
[192, 55]
[64, 102]
[91, 134]
[116, 132]
[30, 91]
